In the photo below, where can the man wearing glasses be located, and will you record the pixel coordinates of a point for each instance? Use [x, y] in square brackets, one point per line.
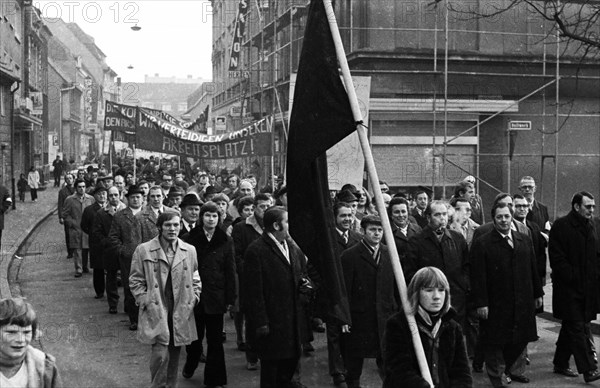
[538, 212]
[576, 291]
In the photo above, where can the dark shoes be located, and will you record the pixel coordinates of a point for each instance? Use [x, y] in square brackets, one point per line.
[242, 346]
[86, 270]
[565, 372]
[99, 296]
[112, 310]
[340, 381]
[519, 378]
[591, 376]
[477, 368]
[318, 325]
[188, 371]
[78, 274]
[133, 327]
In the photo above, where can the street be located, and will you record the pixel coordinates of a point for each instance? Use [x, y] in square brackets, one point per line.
[96, 349]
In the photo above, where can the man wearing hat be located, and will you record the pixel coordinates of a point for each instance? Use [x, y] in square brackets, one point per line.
[106, 181]
[370, 285]
[190, 211]
[209, 193]
[87, 222]
[78, 239]
[174, 197]
[124, 237]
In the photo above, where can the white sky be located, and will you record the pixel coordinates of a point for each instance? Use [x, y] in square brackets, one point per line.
[175, 39]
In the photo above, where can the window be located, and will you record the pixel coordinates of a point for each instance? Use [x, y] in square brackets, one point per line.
[2, 102]
[182, 107]
[166, 107]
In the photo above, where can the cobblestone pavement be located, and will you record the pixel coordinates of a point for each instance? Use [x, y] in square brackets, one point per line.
[19, 223]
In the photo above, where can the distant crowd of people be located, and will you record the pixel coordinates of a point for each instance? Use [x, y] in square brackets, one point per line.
[188, 251]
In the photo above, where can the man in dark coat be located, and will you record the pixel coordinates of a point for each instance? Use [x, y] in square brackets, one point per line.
[216, 265]
[370, 285]
[124, 237]
[418, 212]
[99, 237]
[190, 211]
[402, 227]
[245, 233]
[437, 246]
[538, 212]
[87, 221]
[575, 263]
[344, 239]
[67, 190]
[506, 291]
[521, 208]
[277, 269]
[58, 170]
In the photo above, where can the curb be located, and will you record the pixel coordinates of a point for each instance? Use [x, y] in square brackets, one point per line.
[6, 264]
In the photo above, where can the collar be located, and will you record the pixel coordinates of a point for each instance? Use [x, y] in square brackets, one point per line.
[252, 221]
[283, 247]
[187, 225]
[208, 235]
[341, 232]
[135, 211]
[372, 250]
[510, 237]
[164, 244]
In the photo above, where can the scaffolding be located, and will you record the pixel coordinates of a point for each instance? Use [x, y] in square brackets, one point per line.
[272, 48]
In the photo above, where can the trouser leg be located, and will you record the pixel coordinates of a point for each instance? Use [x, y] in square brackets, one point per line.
[495, 364]
[354, 367]
[129, 301]
[215, 372]
[334, 349]
[238, 321]
[69, 250]
[194, 350]
[251, 355]
[520, 364]
[98, 281]
[112, 291]
[85, 254]
[77, 252]
[574, 338]
[159, 364]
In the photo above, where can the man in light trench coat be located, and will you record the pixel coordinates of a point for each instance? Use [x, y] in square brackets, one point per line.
[166, 285]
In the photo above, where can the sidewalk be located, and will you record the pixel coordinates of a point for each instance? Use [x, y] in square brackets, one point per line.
[19, 223]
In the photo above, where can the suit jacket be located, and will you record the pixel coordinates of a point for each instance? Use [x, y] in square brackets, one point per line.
[488, 227]
[273, 298]
[370, 288]
[539, 215]
[451, 255]
[401, 240]
[421, 219]
[244, 233]
[505, 280]
[216, 265]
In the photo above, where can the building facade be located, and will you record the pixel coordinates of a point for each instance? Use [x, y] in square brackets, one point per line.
[452, 94]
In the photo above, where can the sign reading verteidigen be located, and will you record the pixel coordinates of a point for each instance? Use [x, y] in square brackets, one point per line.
[519, 125]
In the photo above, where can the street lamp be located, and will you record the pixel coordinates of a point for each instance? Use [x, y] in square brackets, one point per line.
[136, 27]
[130, 67]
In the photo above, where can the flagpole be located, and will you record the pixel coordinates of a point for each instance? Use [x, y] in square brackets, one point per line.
[374, 179]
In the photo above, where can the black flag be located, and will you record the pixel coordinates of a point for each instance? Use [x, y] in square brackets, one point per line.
[321, 117]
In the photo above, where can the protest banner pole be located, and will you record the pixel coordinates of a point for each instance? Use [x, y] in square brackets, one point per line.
[374, 179]
[111, 146]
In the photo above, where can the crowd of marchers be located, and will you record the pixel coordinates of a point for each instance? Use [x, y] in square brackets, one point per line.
[188, 251]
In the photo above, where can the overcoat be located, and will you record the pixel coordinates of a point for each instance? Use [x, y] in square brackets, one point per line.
[149, 272]
[272, 296]
[421, 219]
[87, 222]
[505, 280]
[72, 213]
[575, 262]
[216, 266]
[243, 234]
[100, 231]
[539, 215]
[451, 255]
[63, 194]
[402, 243]
[124, 236]
[445, 352]
[370, 287]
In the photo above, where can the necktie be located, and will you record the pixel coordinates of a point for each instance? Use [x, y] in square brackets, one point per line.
[345, 236]
[509, 241]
